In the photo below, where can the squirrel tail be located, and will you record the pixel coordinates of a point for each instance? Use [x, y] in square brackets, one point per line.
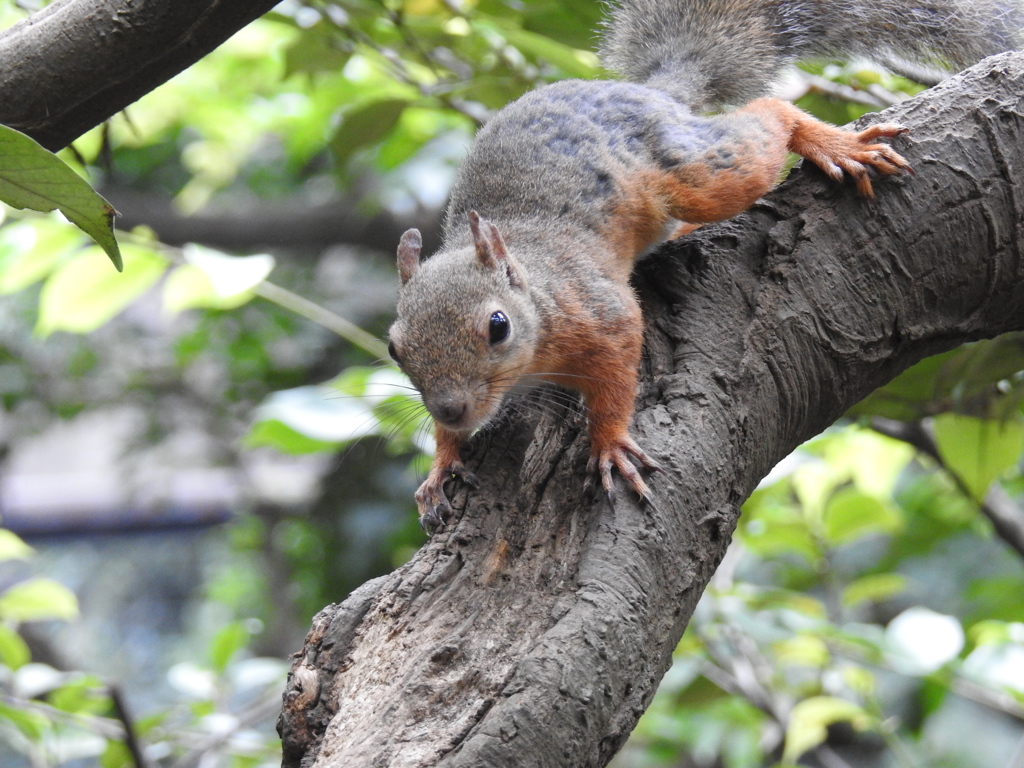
[711, 53]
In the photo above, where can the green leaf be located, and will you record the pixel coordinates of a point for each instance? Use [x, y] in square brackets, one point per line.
[985, 632]
[978, 450]
[33, 177]
[272, 433]
[873, 461]
[226, 643]
[14, 652]
[364, 125]
[317, 49]
[117, 755]
[188, 287]
[931, 696]
[85, 694]
[80, 296]
[320, 414]
[31, 723]
[789, 600]
[813, 483]
[214, 280]
[777, 538]
[874, 588]
[907, 397]
[851, 514]
[29, 250]
[12, 547]
[809, 721]
[802, 650]
[572, 61]
[859, 680]
[568, 21]
[962, 379]
[700, 692]
[36, 599]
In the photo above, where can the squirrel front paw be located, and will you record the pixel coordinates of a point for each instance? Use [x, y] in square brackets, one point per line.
[431, 500]
[838, 152]
[616, 454]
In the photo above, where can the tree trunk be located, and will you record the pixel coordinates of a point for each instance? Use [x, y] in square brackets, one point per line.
[73, 64]
[533, 629]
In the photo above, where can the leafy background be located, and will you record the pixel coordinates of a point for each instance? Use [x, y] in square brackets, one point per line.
[202, 450]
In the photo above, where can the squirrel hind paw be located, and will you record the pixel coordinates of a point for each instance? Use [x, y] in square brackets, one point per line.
[839, 153]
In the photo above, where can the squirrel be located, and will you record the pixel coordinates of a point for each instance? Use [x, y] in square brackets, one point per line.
[564, 188]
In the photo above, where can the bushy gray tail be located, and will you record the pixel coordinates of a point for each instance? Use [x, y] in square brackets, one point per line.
[709, 53]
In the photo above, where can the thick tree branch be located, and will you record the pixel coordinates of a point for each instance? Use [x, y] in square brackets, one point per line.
[533, 629]
[264, 224]
[72, 65]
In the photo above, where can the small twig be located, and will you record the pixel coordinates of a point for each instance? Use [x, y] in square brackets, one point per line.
[329, 320]
[276, 294]
[400, 71]
[997, 700]
[922, 74]
[106, 727]
[910, 432]
[432, 63]
[823, 85]
[267, 706]
[742, 679]
[1004, 513]
[131, 740]
[289, 300]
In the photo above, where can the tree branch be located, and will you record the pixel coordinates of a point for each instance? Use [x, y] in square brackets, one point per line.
[534, 628]
[73, 64]
[261, 224]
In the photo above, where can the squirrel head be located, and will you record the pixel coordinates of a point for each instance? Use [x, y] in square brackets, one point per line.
[466, 329]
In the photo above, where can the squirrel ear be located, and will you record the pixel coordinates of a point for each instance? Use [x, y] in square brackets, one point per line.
[491, 250]
[409, 254]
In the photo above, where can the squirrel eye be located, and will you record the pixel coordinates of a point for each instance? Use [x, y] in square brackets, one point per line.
[393, 352]
[499, 328]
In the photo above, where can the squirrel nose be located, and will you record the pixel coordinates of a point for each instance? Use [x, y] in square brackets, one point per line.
[449, 411]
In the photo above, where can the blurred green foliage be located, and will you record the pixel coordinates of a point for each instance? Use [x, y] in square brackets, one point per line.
[866, 600]
[845, 621]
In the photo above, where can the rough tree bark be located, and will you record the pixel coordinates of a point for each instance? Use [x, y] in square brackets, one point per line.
[75, 63]
[534, 628]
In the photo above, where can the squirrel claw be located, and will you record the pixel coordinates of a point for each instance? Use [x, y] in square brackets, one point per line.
[433, 504]
[430, 520]
[617, 455]
[434, 507]
[842, 153]
[465, 476]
